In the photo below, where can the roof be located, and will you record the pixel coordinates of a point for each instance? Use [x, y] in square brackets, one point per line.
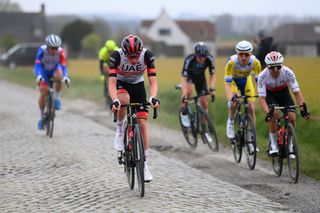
[22, 25]
[294, 33]
[195, 29]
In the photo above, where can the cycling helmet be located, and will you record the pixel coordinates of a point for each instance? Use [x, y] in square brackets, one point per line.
[111, 45]
[274, 58]
[200, 48]
[53, 41]
[132, 45]
[244, 47]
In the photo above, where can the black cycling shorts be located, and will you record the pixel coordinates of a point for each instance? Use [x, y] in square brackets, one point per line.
[137, 94]
[200, 85]
[280, 98]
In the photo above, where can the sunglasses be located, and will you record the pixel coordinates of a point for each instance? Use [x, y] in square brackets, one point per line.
[53, 48]
[201, 55]
[274, 67]
[244, 54]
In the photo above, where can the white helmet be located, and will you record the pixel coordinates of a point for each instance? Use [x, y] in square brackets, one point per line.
[244, 47]
[53, 41]
[274, 58]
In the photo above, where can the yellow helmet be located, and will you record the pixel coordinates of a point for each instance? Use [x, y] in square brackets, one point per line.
[111, 45]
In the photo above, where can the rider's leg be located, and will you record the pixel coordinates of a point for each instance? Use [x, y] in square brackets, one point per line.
[57, 76]
[184, 117]
[292, 118]
[124, 98]
[252, 111]
[42, 98]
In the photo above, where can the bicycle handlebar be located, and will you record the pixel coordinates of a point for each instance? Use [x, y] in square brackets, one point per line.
[136, 105]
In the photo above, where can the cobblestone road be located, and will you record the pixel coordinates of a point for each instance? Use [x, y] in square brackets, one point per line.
[76, 170]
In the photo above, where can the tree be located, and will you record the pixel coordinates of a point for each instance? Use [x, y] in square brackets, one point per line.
[7, 41]
[102, 28]
[74, 32]
[91, 43]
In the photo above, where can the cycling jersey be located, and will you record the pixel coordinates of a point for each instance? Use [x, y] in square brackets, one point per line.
[234, 70]
[121, 67]
[239, 76]
[46, 64]
[104, 55]
[193, 69]
[267, 83]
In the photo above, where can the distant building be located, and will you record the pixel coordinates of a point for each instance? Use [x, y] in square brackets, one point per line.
[298, 39]
[168, 37]
[26, 27]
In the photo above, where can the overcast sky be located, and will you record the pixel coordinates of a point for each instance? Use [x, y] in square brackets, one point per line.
[151, 9]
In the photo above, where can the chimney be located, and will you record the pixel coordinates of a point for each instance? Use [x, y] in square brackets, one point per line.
[43, 9]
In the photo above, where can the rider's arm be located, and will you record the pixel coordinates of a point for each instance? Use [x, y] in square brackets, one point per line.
[114, 63]
[299, 97]
[102, 60]
[228, 78]
[185, 74]
[291, 78]
[257, 69]
[37, 63]
[262, 91]
[211, 71]
[151, 71]
[63, 63]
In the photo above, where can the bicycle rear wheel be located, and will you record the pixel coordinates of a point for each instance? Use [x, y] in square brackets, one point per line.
[139, 158]
[190, 133]
[293, 163]
[50, 114]
[250, 140]
[209, 135]
[128, 165]
[237, 141]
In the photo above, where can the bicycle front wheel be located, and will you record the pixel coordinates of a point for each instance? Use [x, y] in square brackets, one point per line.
[50, 114]
[293, 154]
[208, 132]
[189, 133]
[277, 164]
[128, 165]
[139, 158]
[251, 145]
[237, 141]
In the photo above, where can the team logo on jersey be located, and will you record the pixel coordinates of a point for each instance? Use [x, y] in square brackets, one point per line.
[132, 68]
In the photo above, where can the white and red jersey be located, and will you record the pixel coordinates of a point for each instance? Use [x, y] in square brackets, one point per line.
[121, 67]
[267, 82]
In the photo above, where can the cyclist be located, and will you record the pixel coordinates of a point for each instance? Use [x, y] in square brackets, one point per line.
[104, 63]
[238, 71]
[50, 62]
[126, 84]
[193, 72]
[273, 89]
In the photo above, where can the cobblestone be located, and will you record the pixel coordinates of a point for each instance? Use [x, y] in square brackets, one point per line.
[76, 170]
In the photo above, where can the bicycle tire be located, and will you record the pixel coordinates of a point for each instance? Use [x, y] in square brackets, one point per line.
[293, 164]
[237, 143]
[189, 133]
[139, 158]
[50, 115]
[128, 164]
[277, 164]
[251, 157]
[214, 143]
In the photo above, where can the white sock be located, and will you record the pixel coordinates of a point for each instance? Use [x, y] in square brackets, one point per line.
[273, 138]
[41, 113]
[120, 126]
[56, 95]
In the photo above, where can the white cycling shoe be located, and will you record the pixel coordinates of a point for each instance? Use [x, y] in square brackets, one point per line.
[147, 175]
[185, 120]
[273, 150]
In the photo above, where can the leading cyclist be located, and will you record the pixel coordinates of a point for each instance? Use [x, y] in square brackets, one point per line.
[126, 84]
[273, 86]
[50, 63]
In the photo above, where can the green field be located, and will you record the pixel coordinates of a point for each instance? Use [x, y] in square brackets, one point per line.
[85, 84]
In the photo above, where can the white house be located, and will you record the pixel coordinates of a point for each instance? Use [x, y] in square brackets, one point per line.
[168, 37]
